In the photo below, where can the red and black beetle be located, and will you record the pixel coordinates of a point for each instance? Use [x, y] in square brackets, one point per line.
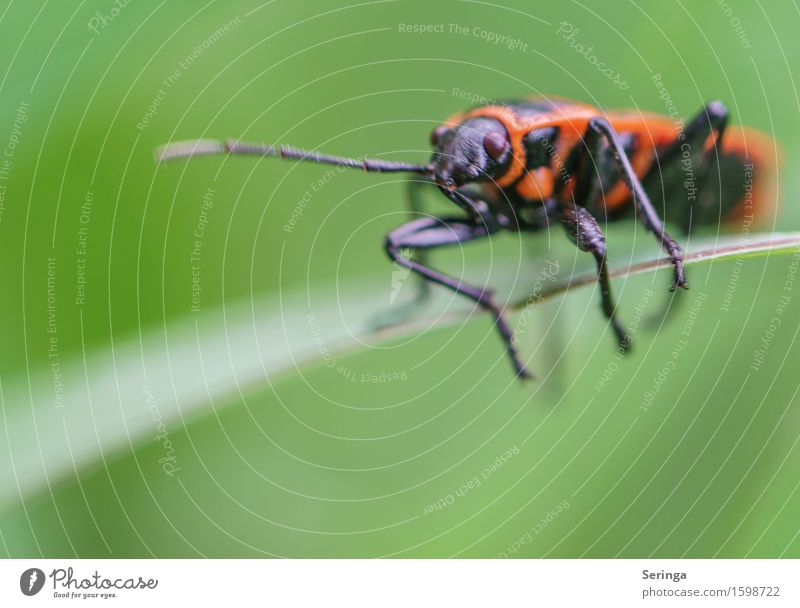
[523, 165]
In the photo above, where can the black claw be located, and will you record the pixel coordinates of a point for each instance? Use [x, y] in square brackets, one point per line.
[680, 281]
[680, 277]
[519, 367]
[524, 375]
[623, 339]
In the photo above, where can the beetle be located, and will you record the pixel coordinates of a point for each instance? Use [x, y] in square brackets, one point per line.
[522, 166]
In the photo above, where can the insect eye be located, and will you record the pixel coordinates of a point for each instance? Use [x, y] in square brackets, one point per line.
[437, 134]
[496, 144]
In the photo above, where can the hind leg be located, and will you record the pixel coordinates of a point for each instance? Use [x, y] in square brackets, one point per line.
[710, 121]
[680, 179]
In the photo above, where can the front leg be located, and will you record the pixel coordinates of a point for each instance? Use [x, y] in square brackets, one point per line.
[469, 200]
[430, 233]
[415, 199]
[477, 210]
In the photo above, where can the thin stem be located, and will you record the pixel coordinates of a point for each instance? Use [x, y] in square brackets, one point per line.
[777, 245]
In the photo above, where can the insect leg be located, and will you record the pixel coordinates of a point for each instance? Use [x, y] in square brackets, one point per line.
[586, 165]
[585, 232]
[591, 164]
[429, 233]
[600, 127]
[414, 192]
[681, 172]
[685, 182]
[712, 119]
[477, 211]
[402, 311]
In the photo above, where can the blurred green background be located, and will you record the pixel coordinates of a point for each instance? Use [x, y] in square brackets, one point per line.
[143, 416]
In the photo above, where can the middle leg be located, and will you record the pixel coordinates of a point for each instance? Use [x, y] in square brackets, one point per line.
[590, 174]
[600, 128]
[585, 232]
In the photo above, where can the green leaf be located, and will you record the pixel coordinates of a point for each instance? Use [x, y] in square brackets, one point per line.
[126, 394]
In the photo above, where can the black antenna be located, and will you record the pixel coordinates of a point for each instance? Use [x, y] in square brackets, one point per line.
[206, 147]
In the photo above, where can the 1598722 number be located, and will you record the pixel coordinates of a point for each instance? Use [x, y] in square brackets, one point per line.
[757, 591]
